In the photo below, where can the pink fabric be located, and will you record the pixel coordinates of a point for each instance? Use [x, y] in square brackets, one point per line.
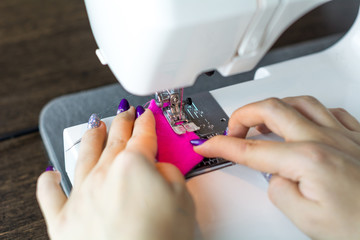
[173, 148]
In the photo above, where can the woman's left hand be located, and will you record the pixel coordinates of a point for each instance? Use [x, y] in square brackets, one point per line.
[119, 190]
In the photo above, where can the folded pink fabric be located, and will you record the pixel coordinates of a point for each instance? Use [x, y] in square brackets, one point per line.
[173, 148]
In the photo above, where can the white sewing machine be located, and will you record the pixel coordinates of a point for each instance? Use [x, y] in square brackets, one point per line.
[156, 45]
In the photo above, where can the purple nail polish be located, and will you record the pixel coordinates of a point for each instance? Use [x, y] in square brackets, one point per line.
[226, 132]
[94, 121]
[198, 142]
[267, 176]
[123, 106]
[50, 169]
[139, 111]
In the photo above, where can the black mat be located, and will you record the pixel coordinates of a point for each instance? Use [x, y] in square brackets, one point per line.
[76, 108]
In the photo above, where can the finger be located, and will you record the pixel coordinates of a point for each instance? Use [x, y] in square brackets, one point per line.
[50, 196]
[178, 184]
[144, 138]
[266, 156]
[132, 172]
[171, 173]
[263, 129]
[312, 109]
[91, 147]
[286, 196]
[119, 134]
[278, 116]
[346, 119]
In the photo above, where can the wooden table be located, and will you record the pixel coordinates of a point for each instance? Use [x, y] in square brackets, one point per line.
[47, 50]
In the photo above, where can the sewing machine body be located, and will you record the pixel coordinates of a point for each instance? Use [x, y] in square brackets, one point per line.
[165, 44]
[232, 202]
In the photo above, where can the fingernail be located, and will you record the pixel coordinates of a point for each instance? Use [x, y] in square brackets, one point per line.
[198, 142]
[267, 176]
[226, 132]
[50, 169]
[123, 106]
[139, 111]
[94, 121]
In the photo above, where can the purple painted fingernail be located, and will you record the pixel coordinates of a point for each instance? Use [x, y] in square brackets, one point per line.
[50, 169]
[198, 142]
[139, 111]
[267, 176]
[123, 106]
[226, 132]
[94, 121]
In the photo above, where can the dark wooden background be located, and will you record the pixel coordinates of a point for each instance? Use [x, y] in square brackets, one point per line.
[47, 50]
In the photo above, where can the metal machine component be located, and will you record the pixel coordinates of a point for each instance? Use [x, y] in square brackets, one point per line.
[203, 110]
[188, 116]
[206, 113]
[172, 104]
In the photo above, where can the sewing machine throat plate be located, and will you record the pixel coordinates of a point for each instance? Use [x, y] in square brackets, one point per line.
[206, 113]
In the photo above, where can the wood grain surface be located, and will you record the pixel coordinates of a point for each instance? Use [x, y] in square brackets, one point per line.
[23, 159]
[47, 50]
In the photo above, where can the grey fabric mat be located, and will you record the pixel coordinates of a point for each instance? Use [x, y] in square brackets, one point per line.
[74, 109]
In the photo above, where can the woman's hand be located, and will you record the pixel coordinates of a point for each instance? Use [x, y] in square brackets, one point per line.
[316, 171]
[119, 191]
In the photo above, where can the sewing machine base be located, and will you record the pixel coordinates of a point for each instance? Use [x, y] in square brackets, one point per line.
[232, 202]
[235, 193]
[204, 112]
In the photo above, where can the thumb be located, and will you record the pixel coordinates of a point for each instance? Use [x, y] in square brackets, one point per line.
[50, 196]
[286, 196]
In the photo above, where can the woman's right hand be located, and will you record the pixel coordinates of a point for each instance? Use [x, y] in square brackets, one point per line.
[316, 171]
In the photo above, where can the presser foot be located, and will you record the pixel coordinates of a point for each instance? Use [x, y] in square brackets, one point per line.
[173, 108]
[182, 126]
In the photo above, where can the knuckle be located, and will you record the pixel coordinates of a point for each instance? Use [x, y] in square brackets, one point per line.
[303, 101]
[124, 116]
[343, 110]
[273, 186]
[273, 103]
[116, 144]
[307, 99]
[250, 144]
[131, 161]
[133, 156]
[131, 164]
[276, 186]
[315, 154]
[235, 113]
[248, 148]
[340, 111]
[99, 174]
[89, 136]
